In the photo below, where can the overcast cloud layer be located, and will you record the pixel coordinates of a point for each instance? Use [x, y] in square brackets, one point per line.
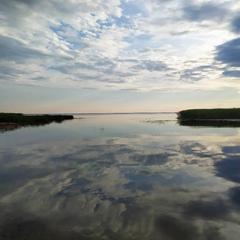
[153, 45]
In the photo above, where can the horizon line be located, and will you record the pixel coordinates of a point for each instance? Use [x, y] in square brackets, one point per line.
[164, 112]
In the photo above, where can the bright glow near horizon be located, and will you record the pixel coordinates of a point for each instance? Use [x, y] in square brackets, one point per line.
[118, 55]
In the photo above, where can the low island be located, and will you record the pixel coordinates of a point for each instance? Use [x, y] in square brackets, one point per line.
[11, 121]
[217, 117]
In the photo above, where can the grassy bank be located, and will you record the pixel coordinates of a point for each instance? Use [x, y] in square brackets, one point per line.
[209, 114]
[34, 120]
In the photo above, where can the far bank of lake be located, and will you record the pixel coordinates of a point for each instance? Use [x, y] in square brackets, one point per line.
[11, 121]
[218, 117]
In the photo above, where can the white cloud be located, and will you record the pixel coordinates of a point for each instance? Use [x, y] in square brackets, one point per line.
[95, 43]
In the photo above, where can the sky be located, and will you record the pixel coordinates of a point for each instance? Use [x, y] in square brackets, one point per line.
[65, 56]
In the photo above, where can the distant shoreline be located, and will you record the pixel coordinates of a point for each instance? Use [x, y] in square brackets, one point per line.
[11, 121]
[215, 114]
[217, 117]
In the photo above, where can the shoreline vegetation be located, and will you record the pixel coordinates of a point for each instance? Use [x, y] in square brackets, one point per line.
[12, 121]
[216, 117]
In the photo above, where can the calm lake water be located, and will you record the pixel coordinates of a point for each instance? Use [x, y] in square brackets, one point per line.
[120, 177]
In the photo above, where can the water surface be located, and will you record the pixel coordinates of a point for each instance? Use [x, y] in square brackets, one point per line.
[120, 177]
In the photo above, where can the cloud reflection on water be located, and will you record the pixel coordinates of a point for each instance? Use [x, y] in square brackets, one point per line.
[136, 187]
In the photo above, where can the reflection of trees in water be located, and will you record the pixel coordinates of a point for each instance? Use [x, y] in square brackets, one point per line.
[209, 123]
